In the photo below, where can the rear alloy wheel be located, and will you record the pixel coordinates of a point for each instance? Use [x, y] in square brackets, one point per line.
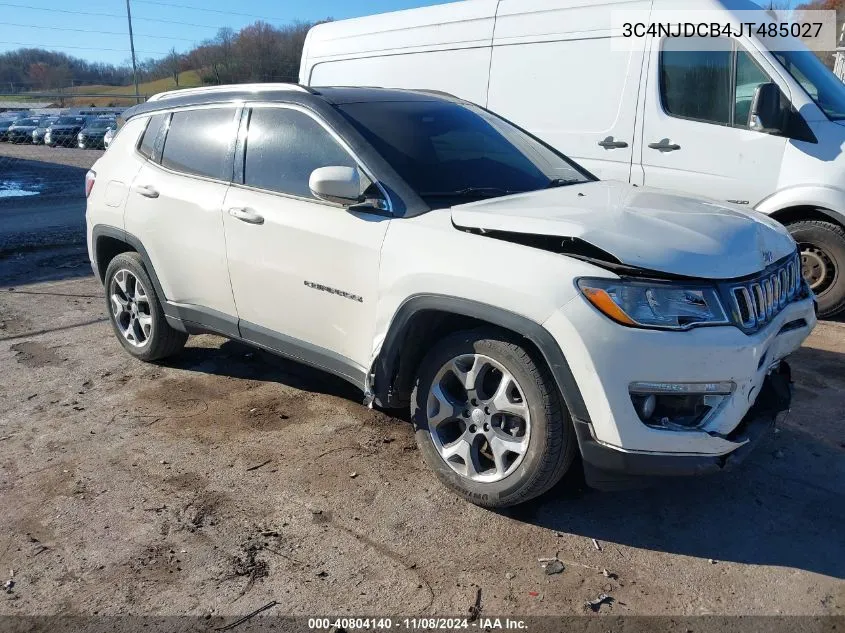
[489, 420]
[135, 312]
[131, 308]
[822, 246]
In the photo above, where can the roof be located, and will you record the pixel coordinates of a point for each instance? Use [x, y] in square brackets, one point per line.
[238, 93]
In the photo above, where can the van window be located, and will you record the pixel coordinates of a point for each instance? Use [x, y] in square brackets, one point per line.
[748, 77]
[147, 147]
[198, 142]
[696, 77]
[818, 82]
[284, 146]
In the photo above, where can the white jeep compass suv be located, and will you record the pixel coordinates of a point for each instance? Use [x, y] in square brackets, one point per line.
[438, 257]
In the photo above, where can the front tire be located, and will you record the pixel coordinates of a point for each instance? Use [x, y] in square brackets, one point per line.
[489, 419]
[822, 246]
[135, 312]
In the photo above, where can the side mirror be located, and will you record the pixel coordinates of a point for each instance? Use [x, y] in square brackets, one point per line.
[336, 184]
[766, 113]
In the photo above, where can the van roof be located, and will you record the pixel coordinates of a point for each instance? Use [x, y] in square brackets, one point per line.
[283, 93]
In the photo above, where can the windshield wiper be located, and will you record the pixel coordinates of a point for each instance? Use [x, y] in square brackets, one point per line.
[563, 182]
[470, 192]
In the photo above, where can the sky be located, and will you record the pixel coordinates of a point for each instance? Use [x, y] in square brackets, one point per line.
[96, 30]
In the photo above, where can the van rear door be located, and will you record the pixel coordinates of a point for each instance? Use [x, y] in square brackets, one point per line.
[555, 72]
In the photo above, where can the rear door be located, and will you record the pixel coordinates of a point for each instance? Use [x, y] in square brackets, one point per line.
[175, 205]
[304, 271]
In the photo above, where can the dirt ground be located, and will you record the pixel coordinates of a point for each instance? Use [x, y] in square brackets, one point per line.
[227, 478]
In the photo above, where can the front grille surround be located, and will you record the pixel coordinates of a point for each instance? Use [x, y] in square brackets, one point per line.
[757, 300]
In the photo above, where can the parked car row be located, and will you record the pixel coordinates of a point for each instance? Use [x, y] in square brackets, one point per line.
[83, 131]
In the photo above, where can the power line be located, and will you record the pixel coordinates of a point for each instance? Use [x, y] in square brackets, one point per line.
[104, 15]
[87, 48]
[193, 8]
[96, 31]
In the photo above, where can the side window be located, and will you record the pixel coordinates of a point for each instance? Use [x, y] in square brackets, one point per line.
[147, 147]
[200, 141]
[714, 85]
[696, 78]
[284, 146]
[748, 76]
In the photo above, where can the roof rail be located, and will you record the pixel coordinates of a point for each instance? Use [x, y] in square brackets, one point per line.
[185, 92]
[437, 93]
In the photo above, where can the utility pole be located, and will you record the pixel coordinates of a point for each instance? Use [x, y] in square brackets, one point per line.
[132, 46]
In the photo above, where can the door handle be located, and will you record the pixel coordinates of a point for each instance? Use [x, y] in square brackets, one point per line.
[609, 143]
[665, 146]
[147, 191]
[246, 215]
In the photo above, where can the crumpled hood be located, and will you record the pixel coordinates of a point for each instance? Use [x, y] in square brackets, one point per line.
[643, 227]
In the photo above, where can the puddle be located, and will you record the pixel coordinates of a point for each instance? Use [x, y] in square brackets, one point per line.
[14, 189]
[16, 193]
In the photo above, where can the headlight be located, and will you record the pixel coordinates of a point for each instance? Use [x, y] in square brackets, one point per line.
[658, 305]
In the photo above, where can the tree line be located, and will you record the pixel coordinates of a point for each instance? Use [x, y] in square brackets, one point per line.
[259, 52]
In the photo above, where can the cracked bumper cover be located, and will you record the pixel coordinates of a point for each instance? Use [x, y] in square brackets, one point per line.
[608, 468]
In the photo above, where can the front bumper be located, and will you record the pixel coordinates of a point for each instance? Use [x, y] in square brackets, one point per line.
[605, 358]
[607, 468]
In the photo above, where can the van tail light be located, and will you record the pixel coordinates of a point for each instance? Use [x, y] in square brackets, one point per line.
[90, 177]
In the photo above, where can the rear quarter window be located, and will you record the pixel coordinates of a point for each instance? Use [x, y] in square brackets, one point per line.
[200, 142]
[147, 147]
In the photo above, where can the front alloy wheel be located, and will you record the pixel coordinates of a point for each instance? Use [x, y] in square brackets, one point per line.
[489, 419]
[478, 418]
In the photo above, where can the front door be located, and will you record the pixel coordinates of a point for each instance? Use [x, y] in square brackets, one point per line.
[695, 135]
[304, 272]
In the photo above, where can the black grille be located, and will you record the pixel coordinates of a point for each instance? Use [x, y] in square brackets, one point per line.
[759, 299]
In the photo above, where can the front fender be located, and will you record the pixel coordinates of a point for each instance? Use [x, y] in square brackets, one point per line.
[829, 201]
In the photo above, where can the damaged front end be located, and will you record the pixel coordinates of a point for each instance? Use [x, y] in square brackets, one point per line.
[608, 468]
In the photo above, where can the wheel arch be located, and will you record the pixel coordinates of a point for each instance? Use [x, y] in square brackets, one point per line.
[109, 241]
[805, 203]
[800, 213]
[425, 318]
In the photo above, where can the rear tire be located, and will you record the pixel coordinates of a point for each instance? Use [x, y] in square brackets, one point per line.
[822, 246]
[511, 447]
[135, 312]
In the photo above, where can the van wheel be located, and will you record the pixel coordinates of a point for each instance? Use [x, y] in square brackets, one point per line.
[135, 312]
[822, 246]
[489, 420]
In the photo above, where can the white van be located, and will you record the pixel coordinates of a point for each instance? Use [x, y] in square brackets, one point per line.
[649, 116]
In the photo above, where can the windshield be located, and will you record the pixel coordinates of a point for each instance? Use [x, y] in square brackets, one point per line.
[70, 120]
[29, 122]
[823, 86]
[451, 153]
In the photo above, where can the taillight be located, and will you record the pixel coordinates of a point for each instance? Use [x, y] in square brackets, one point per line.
[90, 177]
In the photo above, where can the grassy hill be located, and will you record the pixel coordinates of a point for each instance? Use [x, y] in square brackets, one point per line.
[187, 79]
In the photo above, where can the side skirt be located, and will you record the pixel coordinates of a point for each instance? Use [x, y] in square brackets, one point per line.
[196, 321]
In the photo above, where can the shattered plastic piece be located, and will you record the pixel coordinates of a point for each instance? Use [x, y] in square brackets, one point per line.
[595, 605]
[596, 545]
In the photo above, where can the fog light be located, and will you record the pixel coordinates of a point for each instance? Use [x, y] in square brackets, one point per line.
[678, 406]
[645, 405]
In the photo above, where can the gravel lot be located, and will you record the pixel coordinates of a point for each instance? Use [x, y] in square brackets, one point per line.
[227, 478]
